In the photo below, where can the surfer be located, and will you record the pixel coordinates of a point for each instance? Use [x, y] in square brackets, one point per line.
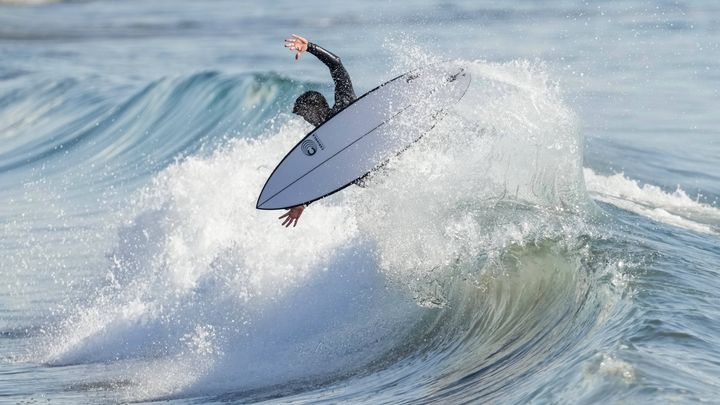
[312, 105]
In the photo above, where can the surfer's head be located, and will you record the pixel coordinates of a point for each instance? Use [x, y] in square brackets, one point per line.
[312, 106]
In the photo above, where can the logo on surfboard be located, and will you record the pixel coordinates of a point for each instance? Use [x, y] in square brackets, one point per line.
[308, 147]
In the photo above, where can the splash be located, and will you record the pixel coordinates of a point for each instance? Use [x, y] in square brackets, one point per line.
[502, 168]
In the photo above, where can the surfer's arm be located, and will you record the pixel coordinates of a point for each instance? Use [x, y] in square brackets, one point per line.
[292, 215]
[344, 92]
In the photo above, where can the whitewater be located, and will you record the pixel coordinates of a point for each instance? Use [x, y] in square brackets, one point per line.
[554, 239]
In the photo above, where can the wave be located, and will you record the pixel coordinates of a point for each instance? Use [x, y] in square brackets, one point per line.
[462, 269]
[74, 131]
[676, 208]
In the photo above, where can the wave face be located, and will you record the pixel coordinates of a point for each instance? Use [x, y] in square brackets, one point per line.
[475, 267]
[56, 118]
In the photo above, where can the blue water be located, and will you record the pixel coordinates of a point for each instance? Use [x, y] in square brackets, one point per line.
[555, 239]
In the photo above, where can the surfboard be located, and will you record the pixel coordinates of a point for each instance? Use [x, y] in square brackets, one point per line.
[375, 127]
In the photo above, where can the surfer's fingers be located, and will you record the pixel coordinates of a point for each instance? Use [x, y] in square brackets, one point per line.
[299, 37]
[284, 215]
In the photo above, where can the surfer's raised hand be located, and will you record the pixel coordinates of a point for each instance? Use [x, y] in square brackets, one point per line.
[292, 215]
[298, 44]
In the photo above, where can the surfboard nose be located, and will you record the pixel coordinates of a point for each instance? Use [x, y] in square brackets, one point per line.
[264, 201]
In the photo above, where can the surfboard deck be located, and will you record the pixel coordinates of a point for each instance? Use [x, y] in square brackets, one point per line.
[375, 127]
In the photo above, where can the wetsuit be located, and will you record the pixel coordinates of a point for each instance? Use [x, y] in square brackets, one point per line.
[344, 93]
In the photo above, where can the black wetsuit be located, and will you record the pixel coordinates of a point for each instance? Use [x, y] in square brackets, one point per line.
[344, 93]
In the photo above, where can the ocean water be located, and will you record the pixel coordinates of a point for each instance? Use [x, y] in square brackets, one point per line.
[555, 239]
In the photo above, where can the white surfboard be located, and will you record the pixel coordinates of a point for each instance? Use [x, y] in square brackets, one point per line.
[378, 125]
